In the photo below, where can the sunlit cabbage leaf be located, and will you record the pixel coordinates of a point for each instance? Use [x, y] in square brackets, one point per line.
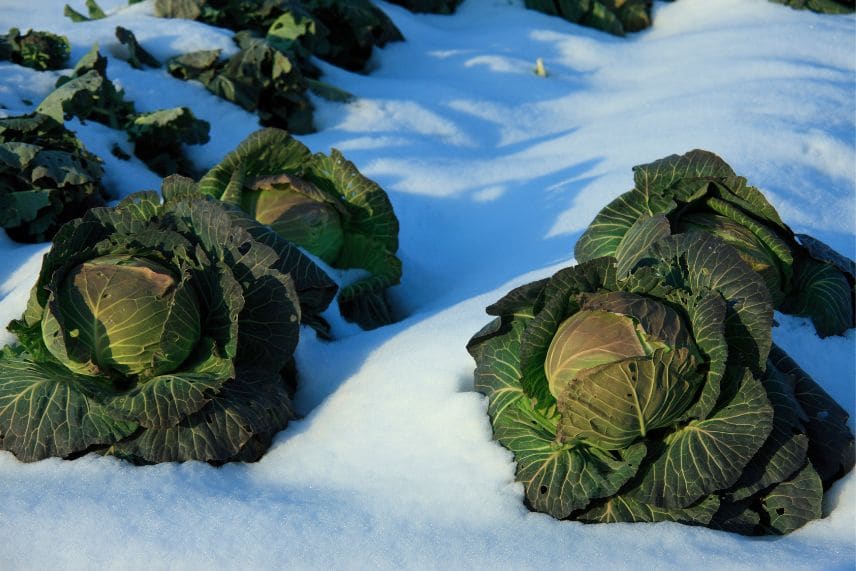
[698, 192]
[343, 33]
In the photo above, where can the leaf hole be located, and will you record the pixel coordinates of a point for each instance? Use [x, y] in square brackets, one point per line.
[780, 511]
[543, 489]
[244, 248]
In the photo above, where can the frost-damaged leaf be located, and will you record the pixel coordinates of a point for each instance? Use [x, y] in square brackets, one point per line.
[45, 410]
[795, 502]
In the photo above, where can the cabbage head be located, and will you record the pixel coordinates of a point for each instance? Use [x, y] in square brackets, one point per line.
[657, 395]
[158, 332]
[698, 192]
[321, 203]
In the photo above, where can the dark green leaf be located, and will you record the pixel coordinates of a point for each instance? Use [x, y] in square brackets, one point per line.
[823, 293]
[138, 57]
[708, 455]
[831, 444]
[45, 410]
[560, 479]
[256, 402]
[792, 504]
[638, 238]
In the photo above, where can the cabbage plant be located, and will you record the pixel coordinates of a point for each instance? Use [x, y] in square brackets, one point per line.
[37, 50]
[321, 203]
[342, 33]
[259, 78]
[698, 192]
[158, 137]
[431, 6]
[47, 177]
[654, 396]
[614, 16]
[158, 332]
[821, 6]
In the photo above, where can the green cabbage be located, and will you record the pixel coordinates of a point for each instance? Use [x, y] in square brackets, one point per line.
[655, 394]
[159, 332]
[324, 205]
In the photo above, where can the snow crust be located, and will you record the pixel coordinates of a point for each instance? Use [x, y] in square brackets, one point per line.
[493, 173]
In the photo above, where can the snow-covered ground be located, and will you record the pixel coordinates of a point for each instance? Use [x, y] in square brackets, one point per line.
[493, 172]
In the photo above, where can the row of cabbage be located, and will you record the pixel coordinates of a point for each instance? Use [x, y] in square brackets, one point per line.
[639, 385]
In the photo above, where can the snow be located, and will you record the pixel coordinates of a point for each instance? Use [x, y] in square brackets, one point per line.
[493, 172]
